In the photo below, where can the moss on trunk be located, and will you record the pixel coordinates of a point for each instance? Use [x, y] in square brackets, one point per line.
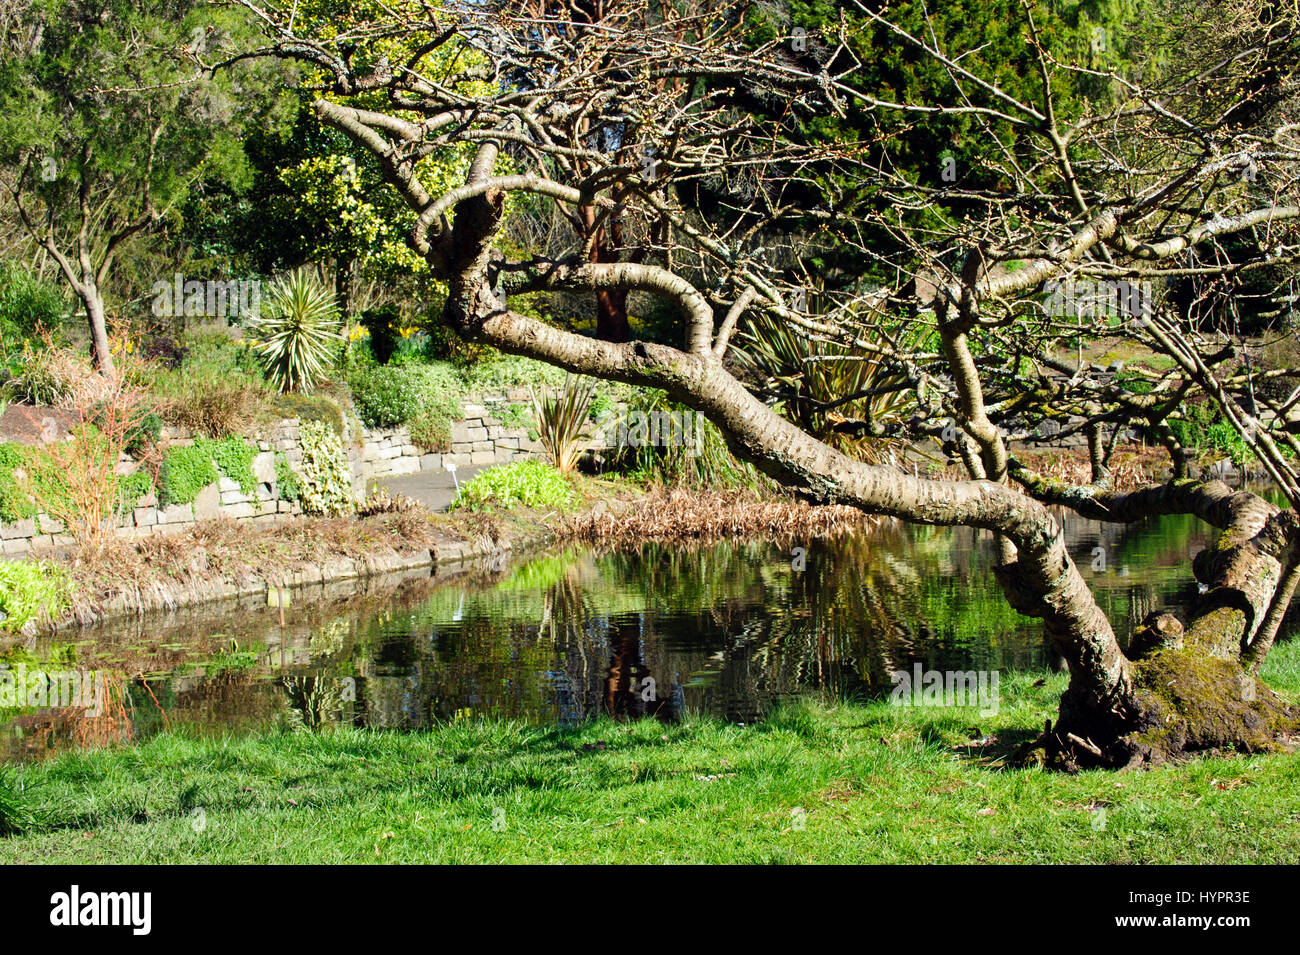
[1183, 703]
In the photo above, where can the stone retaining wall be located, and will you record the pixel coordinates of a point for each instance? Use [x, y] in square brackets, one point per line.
[478, 439]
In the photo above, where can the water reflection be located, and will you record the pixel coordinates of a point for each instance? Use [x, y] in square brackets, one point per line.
[727, 630]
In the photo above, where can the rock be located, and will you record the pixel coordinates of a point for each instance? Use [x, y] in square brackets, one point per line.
[180, 513]
[207, 505]
[19, 529]
[264, 468]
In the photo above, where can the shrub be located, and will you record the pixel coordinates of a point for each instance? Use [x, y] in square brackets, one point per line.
[299, 332]
[384, 396]
[523, 484]
[431, 431]
[29, 589]
[163, 351]
[287, 485]
[326, 477]
[381, 324]
[309, 408]
[189, 469]
[28, 305]
[391, 395]
[131, 488]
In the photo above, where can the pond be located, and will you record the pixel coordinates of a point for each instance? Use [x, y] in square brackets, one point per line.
[727, 630]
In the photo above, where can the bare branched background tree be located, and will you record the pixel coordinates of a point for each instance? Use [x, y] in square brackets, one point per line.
[678, 150]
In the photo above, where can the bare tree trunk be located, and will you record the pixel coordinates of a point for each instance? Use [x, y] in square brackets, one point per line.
[611, 316]
[100, 350]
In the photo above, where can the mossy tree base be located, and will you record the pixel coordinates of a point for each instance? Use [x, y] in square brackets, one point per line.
[1182, 703]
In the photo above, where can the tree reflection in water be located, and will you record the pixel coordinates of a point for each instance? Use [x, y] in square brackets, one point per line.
[726, 629]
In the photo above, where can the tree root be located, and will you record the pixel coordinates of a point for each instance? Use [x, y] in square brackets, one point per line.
[1182, 704]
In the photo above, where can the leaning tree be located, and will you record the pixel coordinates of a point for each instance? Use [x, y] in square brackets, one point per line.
[696, 133]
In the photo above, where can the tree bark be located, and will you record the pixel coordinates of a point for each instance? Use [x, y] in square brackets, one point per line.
[100, 351]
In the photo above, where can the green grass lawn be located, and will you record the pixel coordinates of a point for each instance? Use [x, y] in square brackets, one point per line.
[814, 783]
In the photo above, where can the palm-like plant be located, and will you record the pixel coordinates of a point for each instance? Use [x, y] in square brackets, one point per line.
[808, 379]
[298, 332]
[561, 421]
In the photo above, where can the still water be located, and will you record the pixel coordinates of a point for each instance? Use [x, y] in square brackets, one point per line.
[558, 639]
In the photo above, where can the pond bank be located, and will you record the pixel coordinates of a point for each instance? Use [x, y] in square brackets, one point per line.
[222, 561]
[846, 783]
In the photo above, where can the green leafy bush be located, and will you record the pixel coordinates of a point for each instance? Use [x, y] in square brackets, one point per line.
[431, 431]
[28, 305]
[425, 396]
[384, 395]
[287, 485]
[327, 479]
[131, 488]
[187, 470]
[15, 505]
[523, 484]
[30, 588]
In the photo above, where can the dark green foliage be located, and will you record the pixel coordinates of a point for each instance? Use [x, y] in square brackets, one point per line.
[381, 324]
[28, 306]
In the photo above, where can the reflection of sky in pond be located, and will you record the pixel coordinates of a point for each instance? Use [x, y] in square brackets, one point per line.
[727, 630]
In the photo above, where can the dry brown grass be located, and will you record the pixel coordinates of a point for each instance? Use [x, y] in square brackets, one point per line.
[190, 561]
[683, 515]
[211, 408]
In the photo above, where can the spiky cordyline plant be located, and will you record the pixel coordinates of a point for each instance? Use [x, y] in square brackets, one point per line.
[562, 419]
[298, 332]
